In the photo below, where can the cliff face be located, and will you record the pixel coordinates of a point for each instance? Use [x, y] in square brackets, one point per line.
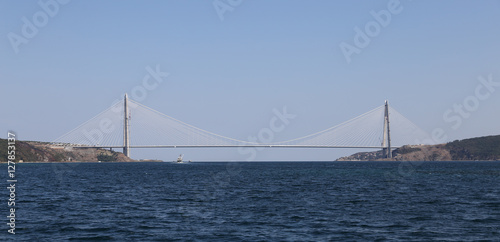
[422, 153]
[44, 152]
[481, 148]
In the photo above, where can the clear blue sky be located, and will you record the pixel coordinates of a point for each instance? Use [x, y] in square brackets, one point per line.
[227, 75]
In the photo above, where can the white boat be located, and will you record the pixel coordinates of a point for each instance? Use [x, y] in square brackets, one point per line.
[179, 159]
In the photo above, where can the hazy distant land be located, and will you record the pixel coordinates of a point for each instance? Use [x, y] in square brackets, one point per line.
[481, 148]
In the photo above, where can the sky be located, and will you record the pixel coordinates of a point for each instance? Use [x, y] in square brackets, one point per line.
[225, 65]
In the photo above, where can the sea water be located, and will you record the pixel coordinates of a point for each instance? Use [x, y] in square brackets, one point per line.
[259, 201]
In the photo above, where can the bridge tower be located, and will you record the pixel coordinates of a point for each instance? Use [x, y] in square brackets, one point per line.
[126, 126]
[386, 143]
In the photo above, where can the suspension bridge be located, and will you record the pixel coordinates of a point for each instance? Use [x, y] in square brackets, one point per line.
[115, 128]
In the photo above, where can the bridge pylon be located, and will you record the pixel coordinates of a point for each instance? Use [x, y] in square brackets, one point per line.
[126, 126]
[386, 143]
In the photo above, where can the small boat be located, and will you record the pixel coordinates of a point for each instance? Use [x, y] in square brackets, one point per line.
[179, 159]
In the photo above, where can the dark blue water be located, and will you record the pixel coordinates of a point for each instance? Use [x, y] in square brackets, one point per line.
[315, 201]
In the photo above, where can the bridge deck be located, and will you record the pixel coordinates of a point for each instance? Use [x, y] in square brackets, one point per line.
[233, 146]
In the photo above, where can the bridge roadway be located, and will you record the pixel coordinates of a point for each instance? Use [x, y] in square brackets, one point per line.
[233, 146]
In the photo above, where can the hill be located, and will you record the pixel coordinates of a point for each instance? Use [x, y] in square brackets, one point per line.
[481, 148]
[32, 151]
